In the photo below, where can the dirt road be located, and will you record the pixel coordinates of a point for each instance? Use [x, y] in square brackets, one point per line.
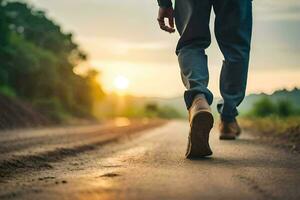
[148, 165]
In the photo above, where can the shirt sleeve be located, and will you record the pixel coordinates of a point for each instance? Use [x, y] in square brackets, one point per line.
[165, 3]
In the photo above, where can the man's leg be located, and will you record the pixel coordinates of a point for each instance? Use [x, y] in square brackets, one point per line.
[192, 21]
[233, 29]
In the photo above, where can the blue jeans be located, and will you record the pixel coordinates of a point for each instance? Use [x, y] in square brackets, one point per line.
[233, 30]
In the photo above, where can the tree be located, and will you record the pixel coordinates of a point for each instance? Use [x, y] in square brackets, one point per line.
[37, 62]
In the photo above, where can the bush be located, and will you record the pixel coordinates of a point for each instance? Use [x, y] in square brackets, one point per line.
[263, 108]
[150, 110]
[166, 112]
[7, 91]
[285, 108]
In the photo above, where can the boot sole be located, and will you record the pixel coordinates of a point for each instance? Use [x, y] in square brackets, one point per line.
[198, 142]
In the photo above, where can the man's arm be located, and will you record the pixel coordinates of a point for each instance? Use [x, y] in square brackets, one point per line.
[165, 3]
[166, 11]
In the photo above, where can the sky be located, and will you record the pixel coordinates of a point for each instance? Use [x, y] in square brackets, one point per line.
[122, 38]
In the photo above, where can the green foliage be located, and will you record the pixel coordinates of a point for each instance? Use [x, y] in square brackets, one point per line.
[151, 110]
[166, 112]
[273, 125]
[37, 62]
[52, 107]
[266, 108]
[133, 107]
[285, 108]
[7, 91]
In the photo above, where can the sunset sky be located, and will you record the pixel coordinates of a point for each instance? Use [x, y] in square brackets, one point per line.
[122, 38]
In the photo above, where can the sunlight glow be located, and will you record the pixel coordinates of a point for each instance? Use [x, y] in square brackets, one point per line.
[121, 83]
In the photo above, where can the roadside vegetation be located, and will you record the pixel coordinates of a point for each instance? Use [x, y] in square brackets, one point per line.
[38, 63]
[152, 110]
[114, 105]
[39, 79]
[280, 119]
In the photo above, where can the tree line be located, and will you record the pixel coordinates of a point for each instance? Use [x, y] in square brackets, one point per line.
[37, 62]
[266, 108]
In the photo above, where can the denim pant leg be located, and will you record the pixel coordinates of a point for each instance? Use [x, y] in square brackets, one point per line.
[233, 30]
[192, 21]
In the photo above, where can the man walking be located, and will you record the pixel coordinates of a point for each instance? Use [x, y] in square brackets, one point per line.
[233, 29]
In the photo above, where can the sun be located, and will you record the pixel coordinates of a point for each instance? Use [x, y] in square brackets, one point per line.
[121, 83]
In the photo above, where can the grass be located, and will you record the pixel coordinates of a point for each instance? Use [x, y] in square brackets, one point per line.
[272, 125]
[282, 132]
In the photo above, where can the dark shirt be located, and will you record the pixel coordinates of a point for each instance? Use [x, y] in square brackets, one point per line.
[165, 3]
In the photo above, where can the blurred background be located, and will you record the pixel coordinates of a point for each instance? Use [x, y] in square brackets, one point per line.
[66, 62]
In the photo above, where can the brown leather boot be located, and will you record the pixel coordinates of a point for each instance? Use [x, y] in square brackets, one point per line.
[201, 122]
[229, 130]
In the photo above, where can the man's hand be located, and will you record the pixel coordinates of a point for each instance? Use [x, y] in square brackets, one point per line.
[169, 14]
